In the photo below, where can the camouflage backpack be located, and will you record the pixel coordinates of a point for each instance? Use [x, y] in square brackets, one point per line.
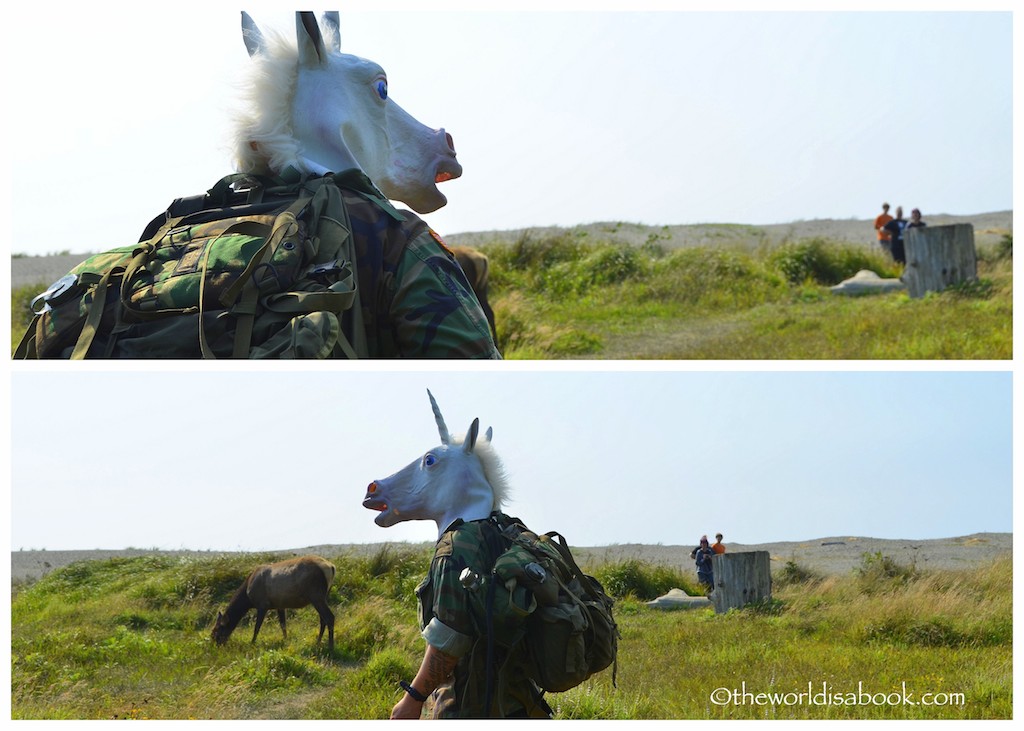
[537, 595]
[255, 268]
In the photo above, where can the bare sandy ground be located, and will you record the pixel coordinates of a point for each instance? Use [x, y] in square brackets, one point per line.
[834, 555]
[989, 228]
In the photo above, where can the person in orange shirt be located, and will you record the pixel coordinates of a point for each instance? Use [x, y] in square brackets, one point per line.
[718, 546]
[884, 237]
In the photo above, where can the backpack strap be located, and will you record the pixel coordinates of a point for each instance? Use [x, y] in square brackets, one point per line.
[492, 536]
[219, 195]
[246, 309]
[562, 546]
[92, 320]
[26, 349]
[496, 541]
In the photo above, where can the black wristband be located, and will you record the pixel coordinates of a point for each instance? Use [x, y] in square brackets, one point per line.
[416, 695]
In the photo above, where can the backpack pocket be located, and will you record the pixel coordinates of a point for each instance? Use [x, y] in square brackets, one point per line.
[602, 632]
[556, 642]
[304, 336]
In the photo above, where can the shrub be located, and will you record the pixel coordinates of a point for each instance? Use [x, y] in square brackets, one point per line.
[641, 580]
[793, 573]
[878, 572]
[528, 253]
[390, 573]
[370, 626]
[523, 332]
[973, 289]
[370, 691]
[591, 267]
[912, 632]
[710, 277]
[825, 262]
[384, 670]
[767, 607]
[214, 580]
[1005, 247]
[275, 670]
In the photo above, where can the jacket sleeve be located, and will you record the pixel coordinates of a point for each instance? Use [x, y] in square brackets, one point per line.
[445, 615]
[434, 311]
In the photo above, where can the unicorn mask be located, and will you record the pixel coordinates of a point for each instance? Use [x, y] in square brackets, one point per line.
[461, 478]
[318, 110]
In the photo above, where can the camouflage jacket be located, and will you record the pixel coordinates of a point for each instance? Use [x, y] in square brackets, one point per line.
[416, 300]
[452, 619]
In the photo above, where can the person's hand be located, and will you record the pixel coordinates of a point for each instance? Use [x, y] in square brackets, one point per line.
[407, 708]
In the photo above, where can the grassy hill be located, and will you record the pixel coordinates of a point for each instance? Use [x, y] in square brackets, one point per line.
[599, 292]
[573, 297]
[128, 638]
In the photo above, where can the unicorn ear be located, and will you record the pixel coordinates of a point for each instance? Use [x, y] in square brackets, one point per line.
[470, 443]
[332, 24]
[489, 435]
[251, 35]
[312, 51]
[441, 428]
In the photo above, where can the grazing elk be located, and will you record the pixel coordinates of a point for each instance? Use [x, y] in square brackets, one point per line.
[291, 584]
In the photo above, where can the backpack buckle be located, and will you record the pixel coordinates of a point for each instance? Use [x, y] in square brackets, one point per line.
[326, 269]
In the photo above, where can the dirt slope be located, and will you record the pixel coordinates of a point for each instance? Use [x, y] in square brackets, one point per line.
[836, 555]
[989, 228]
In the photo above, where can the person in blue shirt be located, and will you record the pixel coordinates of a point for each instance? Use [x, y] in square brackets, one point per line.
[896, 227]
[702, 555]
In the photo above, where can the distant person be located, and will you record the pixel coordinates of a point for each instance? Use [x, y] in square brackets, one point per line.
[915, 219]
[896, 227]
[702, 555]
[884, 237]
[718, 546]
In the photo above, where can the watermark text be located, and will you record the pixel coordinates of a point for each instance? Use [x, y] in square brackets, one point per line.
[824, 694]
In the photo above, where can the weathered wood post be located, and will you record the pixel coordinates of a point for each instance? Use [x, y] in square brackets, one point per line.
[938, 256]
[740, 578]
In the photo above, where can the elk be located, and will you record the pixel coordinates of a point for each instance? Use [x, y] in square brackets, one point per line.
[291, 584]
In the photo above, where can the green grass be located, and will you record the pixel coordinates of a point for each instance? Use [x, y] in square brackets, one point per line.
[567, 296]
[129, 638]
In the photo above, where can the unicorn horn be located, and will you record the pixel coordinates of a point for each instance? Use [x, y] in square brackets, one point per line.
[441, 428]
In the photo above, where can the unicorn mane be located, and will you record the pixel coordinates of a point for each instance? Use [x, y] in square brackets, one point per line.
[494, 470]
[264, 139]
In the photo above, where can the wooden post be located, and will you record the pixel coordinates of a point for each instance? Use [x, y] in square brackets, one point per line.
[740, 578]
[938, 256]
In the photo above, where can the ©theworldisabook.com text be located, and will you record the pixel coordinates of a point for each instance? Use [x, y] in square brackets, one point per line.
[824, 694]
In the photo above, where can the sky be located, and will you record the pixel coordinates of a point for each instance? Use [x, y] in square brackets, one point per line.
[559, 117]
[272, 459]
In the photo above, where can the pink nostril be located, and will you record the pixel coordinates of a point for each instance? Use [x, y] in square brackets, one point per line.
[451, 142]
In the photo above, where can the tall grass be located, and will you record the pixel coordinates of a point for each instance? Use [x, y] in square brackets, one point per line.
[571, 296]
[567, 296]
[129, 638]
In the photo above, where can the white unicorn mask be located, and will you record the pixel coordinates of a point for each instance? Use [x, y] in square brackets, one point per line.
[461, 478]
[318, 110]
